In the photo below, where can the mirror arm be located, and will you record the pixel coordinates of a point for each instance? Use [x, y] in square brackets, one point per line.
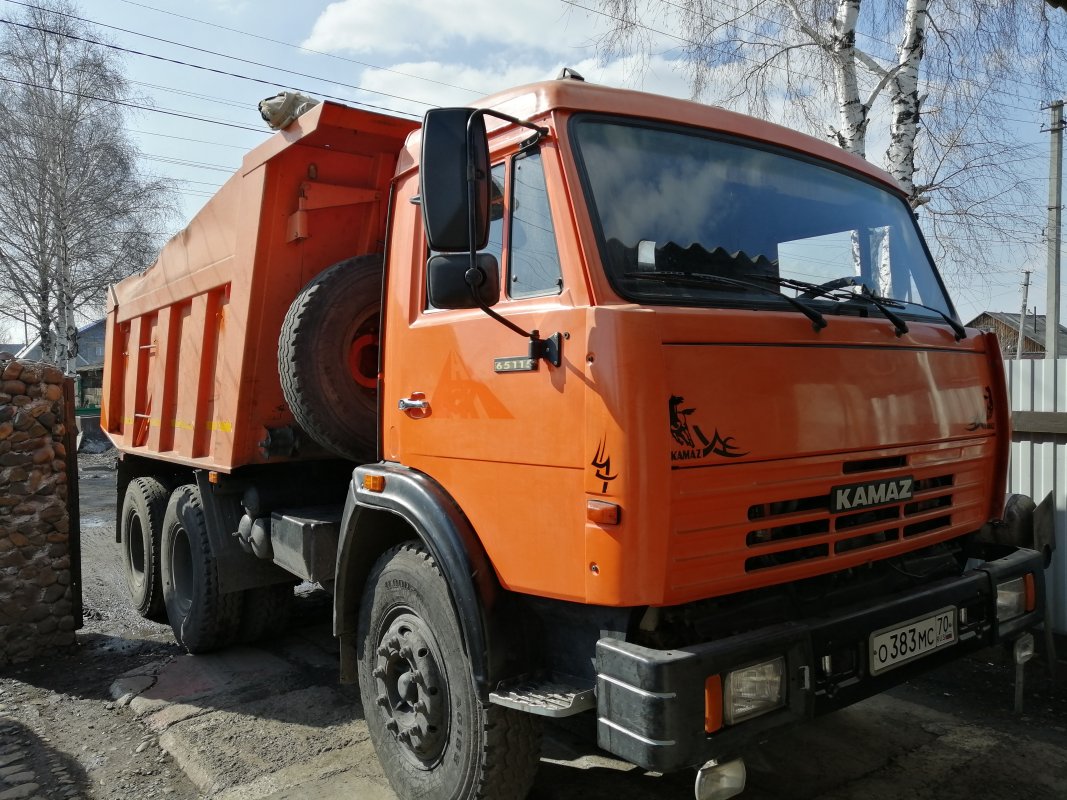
[550, 348]
[539, 131]
[474, 281]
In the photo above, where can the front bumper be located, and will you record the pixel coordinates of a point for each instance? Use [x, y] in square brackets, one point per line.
[651, 703]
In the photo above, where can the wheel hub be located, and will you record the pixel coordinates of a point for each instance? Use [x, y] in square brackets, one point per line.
[411, 687]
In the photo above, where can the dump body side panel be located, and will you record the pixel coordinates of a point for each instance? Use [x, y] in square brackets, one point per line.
[191, 369]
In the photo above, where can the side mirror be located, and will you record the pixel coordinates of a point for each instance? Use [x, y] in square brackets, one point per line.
[447, 196]
[447, 282]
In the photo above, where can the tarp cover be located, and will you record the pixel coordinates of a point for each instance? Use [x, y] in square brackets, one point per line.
[284, 107]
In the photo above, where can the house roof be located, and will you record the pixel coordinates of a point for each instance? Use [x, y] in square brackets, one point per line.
[35, 344]
[1034, 330]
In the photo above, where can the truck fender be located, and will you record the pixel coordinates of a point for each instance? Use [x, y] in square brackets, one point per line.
[409, 505]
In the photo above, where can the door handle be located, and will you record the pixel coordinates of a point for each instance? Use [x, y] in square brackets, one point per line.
[416, 406]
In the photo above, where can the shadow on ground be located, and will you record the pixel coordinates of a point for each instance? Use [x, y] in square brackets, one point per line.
[30, 766]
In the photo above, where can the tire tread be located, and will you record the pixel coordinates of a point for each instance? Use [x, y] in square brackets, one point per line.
[265, 611]
[215, 621]
[148, 497]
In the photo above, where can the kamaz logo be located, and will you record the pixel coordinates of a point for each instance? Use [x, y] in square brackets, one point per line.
[865, 495]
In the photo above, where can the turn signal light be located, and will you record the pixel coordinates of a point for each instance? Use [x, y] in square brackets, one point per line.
[712, 703]
[602, 513]
[374, 483]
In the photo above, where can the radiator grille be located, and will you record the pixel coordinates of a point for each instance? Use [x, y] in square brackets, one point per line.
[813, 532]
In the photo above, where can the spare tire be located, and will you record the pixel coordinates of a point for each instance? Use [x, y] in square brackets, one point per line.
[328, 357]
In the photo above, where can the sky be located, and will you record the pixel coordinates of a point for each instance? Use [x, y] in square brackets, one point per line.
[395, 56]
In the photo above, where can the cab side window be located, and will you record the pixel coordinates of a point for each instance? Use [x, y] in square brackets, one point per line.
[496, 215]
[533, 262]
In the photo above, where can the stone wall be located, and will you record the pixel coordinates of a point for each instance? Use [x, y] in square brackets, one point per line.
[39, 600]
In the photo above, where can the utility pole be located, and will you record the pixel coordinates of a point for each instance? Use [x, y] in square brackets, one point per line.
[1055, 203]
[1022, 315]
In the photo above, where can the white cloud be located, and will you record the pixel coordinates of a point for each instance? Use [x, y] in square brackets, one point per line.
[428, 27]
[231, 7]
[444, 84]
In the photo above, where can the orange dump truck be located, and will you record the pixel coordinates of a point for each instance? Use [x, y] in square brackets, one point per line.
[580, 401]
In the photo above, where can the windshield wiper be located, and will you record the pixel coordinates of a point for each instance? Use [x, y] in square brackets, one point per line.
[899, 325]
[958, 331]
[832, 289]
[818, 321]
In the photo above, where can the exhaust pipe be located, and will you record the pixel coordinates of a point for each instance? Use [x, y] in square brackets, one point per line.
[717, 781]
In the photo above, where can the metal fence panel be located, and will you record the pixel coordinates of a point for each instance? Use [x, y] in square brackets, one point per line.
[1039, 460]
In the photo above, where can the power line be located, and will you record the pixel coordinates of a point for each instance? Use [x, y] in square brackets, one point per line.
[187, 180]
[127, 104]
[214, 53]
[196, 95]
[182, 162]
[188, 139]
[304, 49]
[275, 84]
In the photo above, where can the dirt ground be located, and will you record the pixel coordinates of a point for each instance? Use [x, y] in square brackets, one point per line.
[60, 711]
[952, 734]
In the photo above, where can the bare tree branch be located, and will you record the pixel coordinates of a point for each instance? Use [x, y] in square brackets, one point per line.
[937, 78]
[76, 213]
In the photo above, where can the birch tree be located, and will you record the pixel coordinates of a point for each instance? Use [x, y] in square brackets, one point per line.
[924, 88]
[75, 212]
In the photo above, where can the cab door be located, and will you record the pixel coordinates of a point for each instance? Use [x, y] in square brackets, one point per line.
[506, 443]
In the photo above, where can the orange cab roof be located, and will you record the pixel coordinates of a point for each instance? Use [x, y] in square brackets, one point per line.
[537, 99]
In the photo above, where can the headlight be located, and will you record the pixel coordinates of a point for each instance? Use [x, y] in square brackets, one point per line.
[755, 690]
[1011, 599]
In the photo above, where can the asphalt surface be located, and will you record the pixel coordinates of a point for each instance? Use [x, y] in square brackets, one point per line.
[128, 716]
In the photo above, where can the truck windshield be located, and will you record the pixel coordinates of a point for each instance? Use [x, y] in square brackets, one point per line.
[675, 206]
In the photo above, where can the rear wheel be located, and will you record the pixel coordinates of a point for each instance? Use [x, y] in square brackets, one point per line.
[140, 530]
[434, 737]
[201, 617]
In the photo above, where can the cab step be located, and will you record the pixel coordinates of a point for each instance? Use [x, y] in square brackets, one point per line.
[546, 698]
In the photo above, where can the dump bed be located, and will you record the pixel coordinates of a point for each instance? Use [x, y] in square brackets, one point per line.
[191, 364]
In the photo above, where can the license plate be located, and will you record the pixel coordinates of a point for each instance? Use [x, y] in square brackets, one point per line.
[900, 644]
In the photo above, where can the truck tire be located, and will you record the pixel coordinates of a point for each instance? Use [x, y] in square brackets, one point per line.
[265, 611]
[434, 737]
[140, 529]
[201, 617]
[328, 357]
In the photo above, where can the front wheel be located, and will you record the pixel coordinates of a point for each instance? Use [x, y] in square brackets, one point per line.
[435, 739]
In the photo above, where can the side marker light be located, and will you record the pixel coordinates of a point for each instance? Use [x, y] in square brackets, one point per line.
[374, 483]
[602, 513]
